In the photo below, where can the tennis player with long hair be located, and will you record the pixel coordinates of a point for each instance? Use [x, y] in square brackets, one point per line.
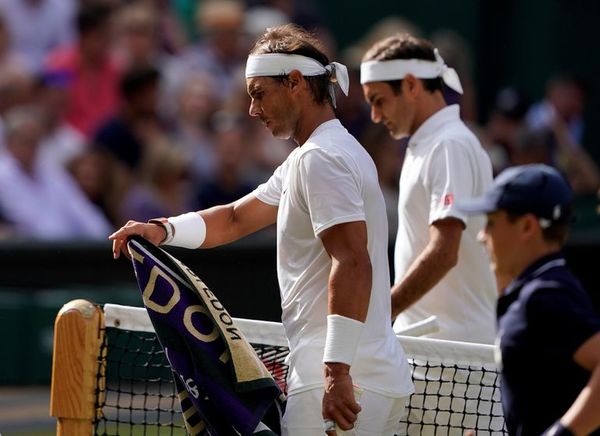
[331, 245]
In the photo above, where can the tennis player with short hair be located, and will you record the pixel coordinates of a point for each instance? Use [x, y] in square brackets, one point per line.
[548, 331]
[331, 245]
[440, 268]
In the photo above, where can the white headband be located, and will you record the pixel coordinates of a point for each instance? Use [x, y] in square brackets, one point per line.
[397, 69]
[278, 64]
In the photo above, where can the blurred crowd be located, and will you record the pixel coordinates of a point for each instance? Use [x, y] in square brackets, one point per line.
[133, 109]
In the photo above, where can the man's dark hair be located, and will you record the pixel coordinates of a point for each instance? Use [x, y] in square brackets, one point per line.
[293, 39]
[92, 16]
[404, 46]
[138, 79]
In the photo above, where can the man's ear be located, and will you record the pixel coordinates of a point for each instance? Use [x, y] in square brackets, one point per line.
[529, 226]
[294, 80]
[411, 86]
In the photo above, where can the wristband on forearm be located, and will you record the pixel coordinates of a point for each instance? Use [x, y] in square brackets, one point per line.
[187, 230]
[558, 429]
[343, 336]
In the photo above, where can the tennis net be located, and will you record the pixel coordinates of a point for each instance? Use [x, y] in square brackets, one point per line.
[456, 383]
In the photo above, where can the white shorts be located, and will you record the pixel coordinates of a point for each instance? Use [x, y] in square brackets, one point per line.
[380, 415]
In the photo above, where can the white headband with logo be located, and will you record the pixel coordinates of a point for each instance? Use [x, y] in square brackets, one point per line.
[278, 64]
[397, 69]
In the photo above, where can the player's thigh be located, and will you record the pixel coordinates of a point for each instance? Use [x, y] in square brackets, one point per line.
[380, 415]
[303, 415]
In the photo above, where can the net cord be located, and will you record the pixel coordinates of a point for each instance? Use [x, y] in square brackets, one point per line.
[272, 333]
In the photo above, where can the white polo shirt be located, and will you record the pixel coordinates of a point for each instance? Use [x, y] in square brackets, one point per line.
[331, 180]
[445, 162]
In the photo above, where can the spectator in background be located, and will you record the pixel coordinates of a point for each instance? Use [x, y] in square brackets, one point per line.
[172, 37]
[37, 27]
[564, 101]
[220, 52]
[93, 176]
[129, 139]
[162, 190]
[196, 105]
[39, 199]
[138, 41]
[513, 141]
[555, 147]
[10, 60]
[507, 119]
[93, 88]
[16, 81]
[16, 88]
[546, 322]
[229, 181]
[61, 142]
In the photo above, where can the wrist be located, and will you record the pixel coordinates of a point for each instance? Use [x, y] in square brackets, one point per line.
[189, 230]
[343, 337]
[167, 228]
[334, 369]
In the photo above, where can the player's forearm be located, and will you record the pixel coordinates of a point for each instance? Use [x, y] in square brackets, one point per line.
[582, 417]
[230, 222]
[350, 284]
[425, 272]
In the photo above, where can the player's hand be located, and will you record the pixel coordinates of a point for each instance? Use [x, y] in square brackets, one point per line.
[339, 403]
[151, 232]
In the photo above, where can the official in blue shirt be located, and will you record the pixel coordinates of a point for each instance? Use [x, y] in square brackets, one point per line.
[548, 332]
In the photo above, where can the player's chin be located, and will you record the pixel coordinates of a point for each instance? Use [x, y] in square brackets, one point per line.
[281, 133]
[397, 133]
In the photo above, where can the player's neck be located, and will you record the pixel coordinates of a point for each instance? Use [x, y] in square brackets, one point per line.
[428, 105]
[311, 117]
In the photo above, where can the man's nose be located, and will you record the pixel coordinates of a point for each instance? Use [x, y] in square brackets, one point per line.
[254, 109]
[375, 115]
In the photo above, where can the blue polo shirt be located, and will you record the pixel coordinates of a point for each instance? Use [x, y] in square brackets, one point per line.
[544, 316]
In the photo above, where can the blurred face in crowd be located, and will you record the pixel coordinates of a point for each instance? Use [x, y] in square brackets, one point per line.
[567, 99]
[395, 111]
[144, 103]
[4, 37]
[197, 99]
[272, 102]
[95, 43]
[23, 143]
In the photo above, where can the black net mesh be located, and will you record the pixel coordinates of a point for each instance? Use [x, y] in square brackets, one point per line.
[137, 395]
[450, 399]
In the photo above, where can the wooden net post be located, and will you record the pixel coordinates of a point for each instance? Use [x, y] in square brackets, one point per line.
[78, 338]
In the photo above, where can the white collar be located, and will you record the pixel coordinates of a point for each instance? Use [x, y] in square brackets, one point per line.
[434, 123]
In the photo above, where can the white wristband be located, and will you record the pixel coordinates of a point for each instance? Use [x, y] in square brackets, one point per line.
[189, 230]
[343, 336]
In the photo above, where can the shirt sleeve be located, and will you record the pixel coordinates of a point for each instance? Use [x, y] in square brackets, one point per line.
[448, 176]
[330, 187]
[270, 191]
[563, 317]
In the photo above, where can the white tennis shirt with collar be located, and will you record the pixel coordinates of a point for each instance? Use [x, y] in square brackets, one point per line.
[330, 180]
[444, 162]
